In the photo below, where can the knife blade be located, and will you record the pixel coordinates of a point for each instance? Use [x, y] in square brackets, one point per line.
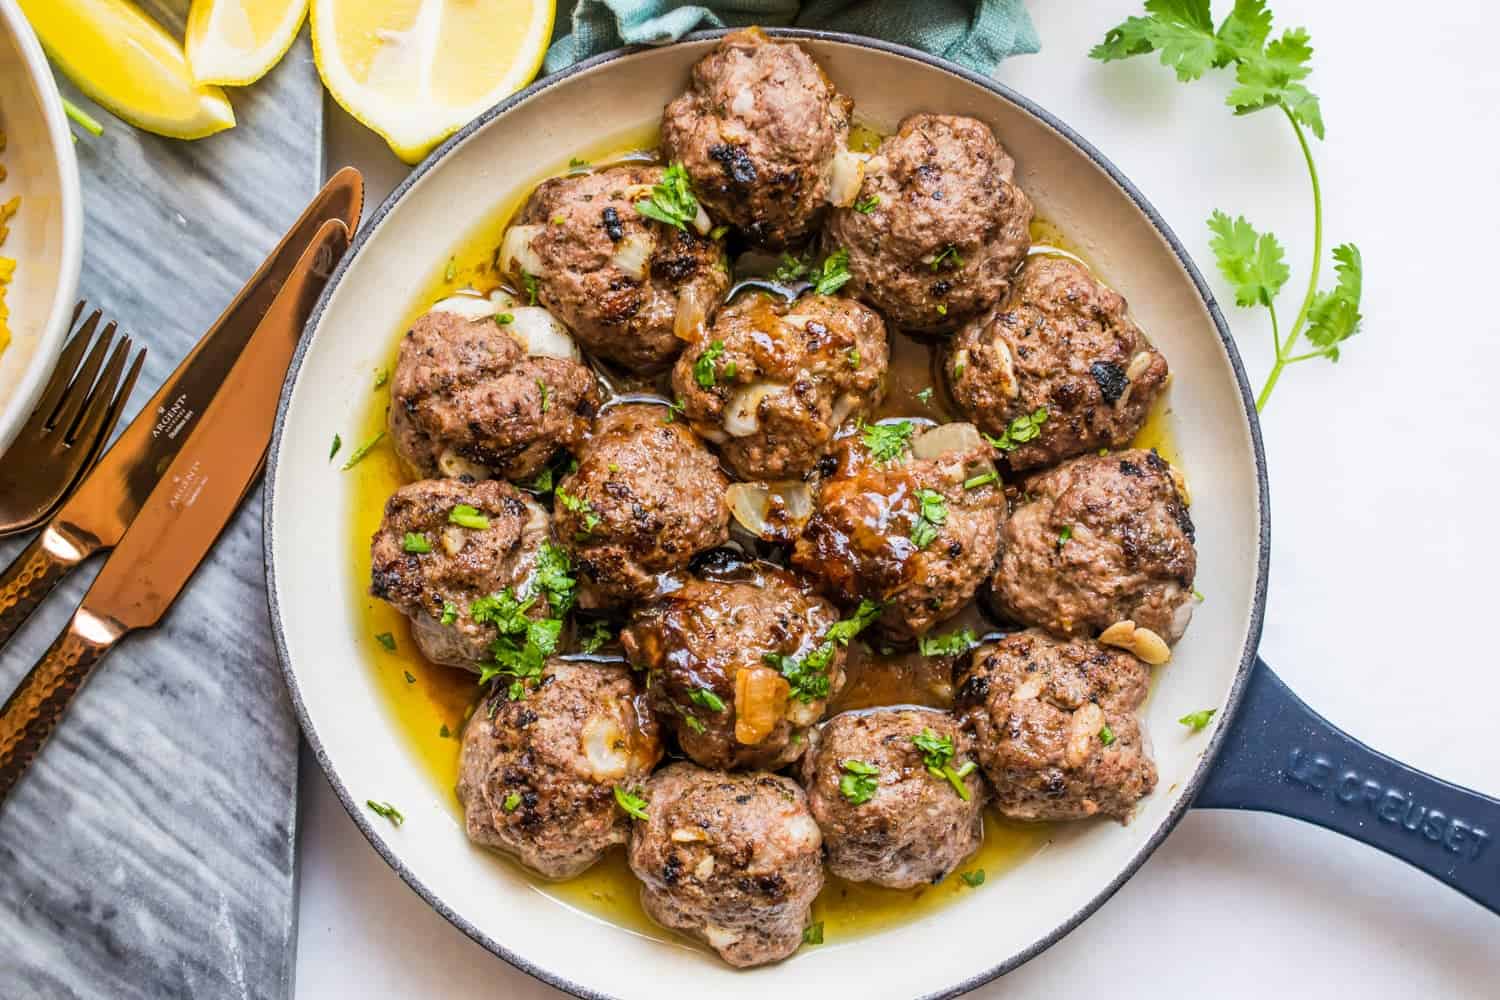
[179, 521]
[95, 517]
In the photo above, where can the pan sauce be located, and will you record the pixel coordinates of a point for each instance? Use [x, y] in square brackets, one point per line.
[429, 703]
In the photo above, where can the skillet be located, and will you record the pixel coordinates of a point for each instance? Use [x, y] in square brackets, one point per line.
[1264, 750]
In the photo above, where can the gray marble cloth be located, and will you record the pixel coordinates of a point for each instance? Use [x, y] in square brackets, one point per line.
[150, 852]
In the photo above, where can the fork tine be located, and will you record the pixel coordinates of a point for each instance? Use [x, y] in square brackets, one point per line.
[101, 400]
[67, 364]
[81, 389]
[112, 417]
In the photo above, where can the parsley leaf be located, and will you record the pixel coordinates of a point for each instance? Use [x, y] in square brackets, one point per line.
[813, 933]
[574, 504]
[1333, 317]
[1106, 735]
[382, 376]
[791, 270]
[1196, 721]
[703, 368]
[1183, 30]
[532, 288]
[932, 515]
[361, 451]
[387, 640]
[834, 274]
[387, 810]
[597, 637]
[1064, 536]
[948, 257]
[704, 698]
[1022, 429]
[466, 516]
[867, 205]
[973, 879]
[808, 675]
[937, 755]
[511, 802]
[671, 200]
[632, 804]
[1250, 261]
[551, 578]
[859, 781]
[887, 442]
[333, 450]
[416, 543]
[983, 479]
[952, 644]
[450, 613]
[925, 396]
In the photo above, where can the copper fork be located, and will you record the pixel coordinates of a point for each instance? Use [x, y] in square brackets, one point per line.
[69, 427]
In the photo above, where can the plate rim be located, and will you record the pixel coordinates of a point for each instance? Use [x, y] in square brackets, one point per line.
[1248, 654]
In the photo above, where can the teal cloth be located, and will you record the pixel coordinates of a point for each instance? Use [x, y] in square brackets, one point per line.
[973, 33]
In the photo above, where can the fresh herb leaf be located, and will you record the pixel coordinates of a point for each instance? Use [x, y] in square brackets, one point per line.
[889, 441]
[703, 368]
[867, 205]
[704, 698]
[853, 357]
[859, 781]
[948, 257]
[983, 479]
[1333, 317]
[674, 410]
[808, 675]
[1106, 735]
[362, 450]
[1022, 429]
[387, 810]
[409, 678]
[1197, 720]
[451, 271]
[671, 199]
[937, 755]
[718, 232]
[932, 515]
[546, 395]
[387, 640]
[450, 613]
[834, 274]
[468, 517]
[552, 578]
[791, 270]
[973, 879]
[813, 933]
[504, 319]
[443, 732]
[82, 118]
[633, 805]
[1064, 536]
[925, 396]
[574, 504]
[382, 376]
[575, 164]
[338, 443]
[1250, 261]
[533, 288]
[597, 637]
[416, 543]
[691, 721]
[512, 801]
[952, 644]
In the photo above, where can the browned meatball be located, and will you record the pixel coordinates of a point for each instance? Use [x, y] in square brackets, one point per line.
[772, 380]
[706, 646]
[467, 398]
[1055, 727]
[1064, 343]
[886, 817]
[918, 534]
[757, 133]
[645, 497]
[735, 860]
[1099, 540]
[432, 569]
[938, 227]
[615, 277]
[536, 777]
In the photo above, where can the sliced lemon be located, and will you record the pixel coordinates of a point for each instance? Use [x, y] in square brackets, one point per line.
[236, 42]
[128, 64]
[416, 71]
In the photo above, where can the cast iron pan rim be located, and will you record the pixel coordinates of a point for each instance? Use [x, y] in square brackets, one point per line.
[1263, 542]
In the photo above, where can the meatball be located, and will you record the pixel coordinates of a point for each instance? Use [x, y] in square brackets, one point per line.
[486, 387]
[645, 497]
[938, 227]
[1061, 342]
[735, 860]
[916, 532]
[536, 777]
[706, 646]
[431, 559]
[1098, 540]
[772, 381]
[758, 133]
[1055, 728]
[886, 817]
[617, 278]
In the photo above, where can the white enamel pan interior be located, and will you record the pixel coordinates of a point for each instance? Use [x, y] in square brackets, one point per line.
[314, 598]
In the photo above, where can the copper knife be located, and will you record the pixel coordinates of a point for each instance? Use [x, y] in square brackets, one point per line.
[97, 514]
[178, 523]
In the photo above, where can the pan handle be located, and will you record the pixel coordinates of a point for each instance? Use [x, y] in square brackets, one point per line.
[1280, 756]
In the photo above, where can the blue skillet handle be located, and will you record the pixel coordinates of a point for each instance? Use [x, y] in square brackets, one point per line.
[1280, 756]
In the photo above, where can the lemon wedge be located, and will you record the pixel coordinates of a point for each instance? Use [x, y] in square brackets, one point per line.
[415, 71]
[127, 63]
[236, 42]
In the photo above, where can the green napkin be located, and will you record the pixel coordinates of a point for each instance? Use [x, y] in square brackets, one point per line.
[974, 33]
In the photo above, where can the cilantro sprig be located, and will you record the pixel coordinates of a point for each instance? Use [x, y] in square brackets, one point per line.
[859, 782]
[808, 675]
[671, 200]
[888, 442]
[937, 756]
[1268, 73]
[1022, 429]
[932, 514]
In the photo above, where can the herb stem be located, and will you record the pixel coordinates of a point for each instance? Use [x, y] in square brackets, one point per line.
[82, 118]
[1284, 349]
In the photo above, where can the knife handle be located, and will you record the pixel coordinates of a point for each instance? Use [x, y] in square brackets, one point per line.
[28, 580]
[37, 705]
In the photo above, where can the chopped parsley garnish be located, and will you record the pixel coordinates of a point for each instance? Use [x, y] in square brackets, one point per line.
[867, 205]
[717, 232]
[1064, 536]
[671, 199]
[704, 698]
[791, 270]
[387, 810]
[1106, 734]
[942, 309]
[387, 640]
[521, 649]
[1198, 595]
[504, 319]
[1022, 429]
[951, 644]
[542, 484]
[574, 504]
[948, 257]
[887, 442]
[691, 721]
[443, 732]
[382, 376]
[468, 517]
[703, 368]
[546, 395]
[575, 164]
[511, 802]
[450, 613]
[409, 678]
[983, 479]
[853, 357]
[633, 805]
[835, 273]
[808, 676]
[973, 879]
[552, 577]
[859, 781]
[937, 755]
[925, 396]
[414, 542]
[1197, 720]
[338, 443]
[597, 637]
[530, 282]
[674, 407]
[451, 271]
[931, 517]
[362, 450]
[813, 933]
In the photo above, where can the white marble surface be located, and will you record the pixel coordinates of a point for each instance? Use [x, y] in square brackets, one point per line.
[1383, 484]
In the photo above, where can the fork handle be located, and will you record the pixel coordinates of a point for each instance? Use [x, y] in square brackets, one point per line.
[37, 705]
[28, 580]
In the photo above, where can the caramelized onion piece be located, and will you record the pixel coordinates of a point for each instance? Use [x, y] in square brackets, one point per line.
[516, 255]
[946, 439]
[741, 413]
[540, 334]
[633, 252]
[848, 175]
[772, 511]
[455, 466]
[760, 700]
[693, 302]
